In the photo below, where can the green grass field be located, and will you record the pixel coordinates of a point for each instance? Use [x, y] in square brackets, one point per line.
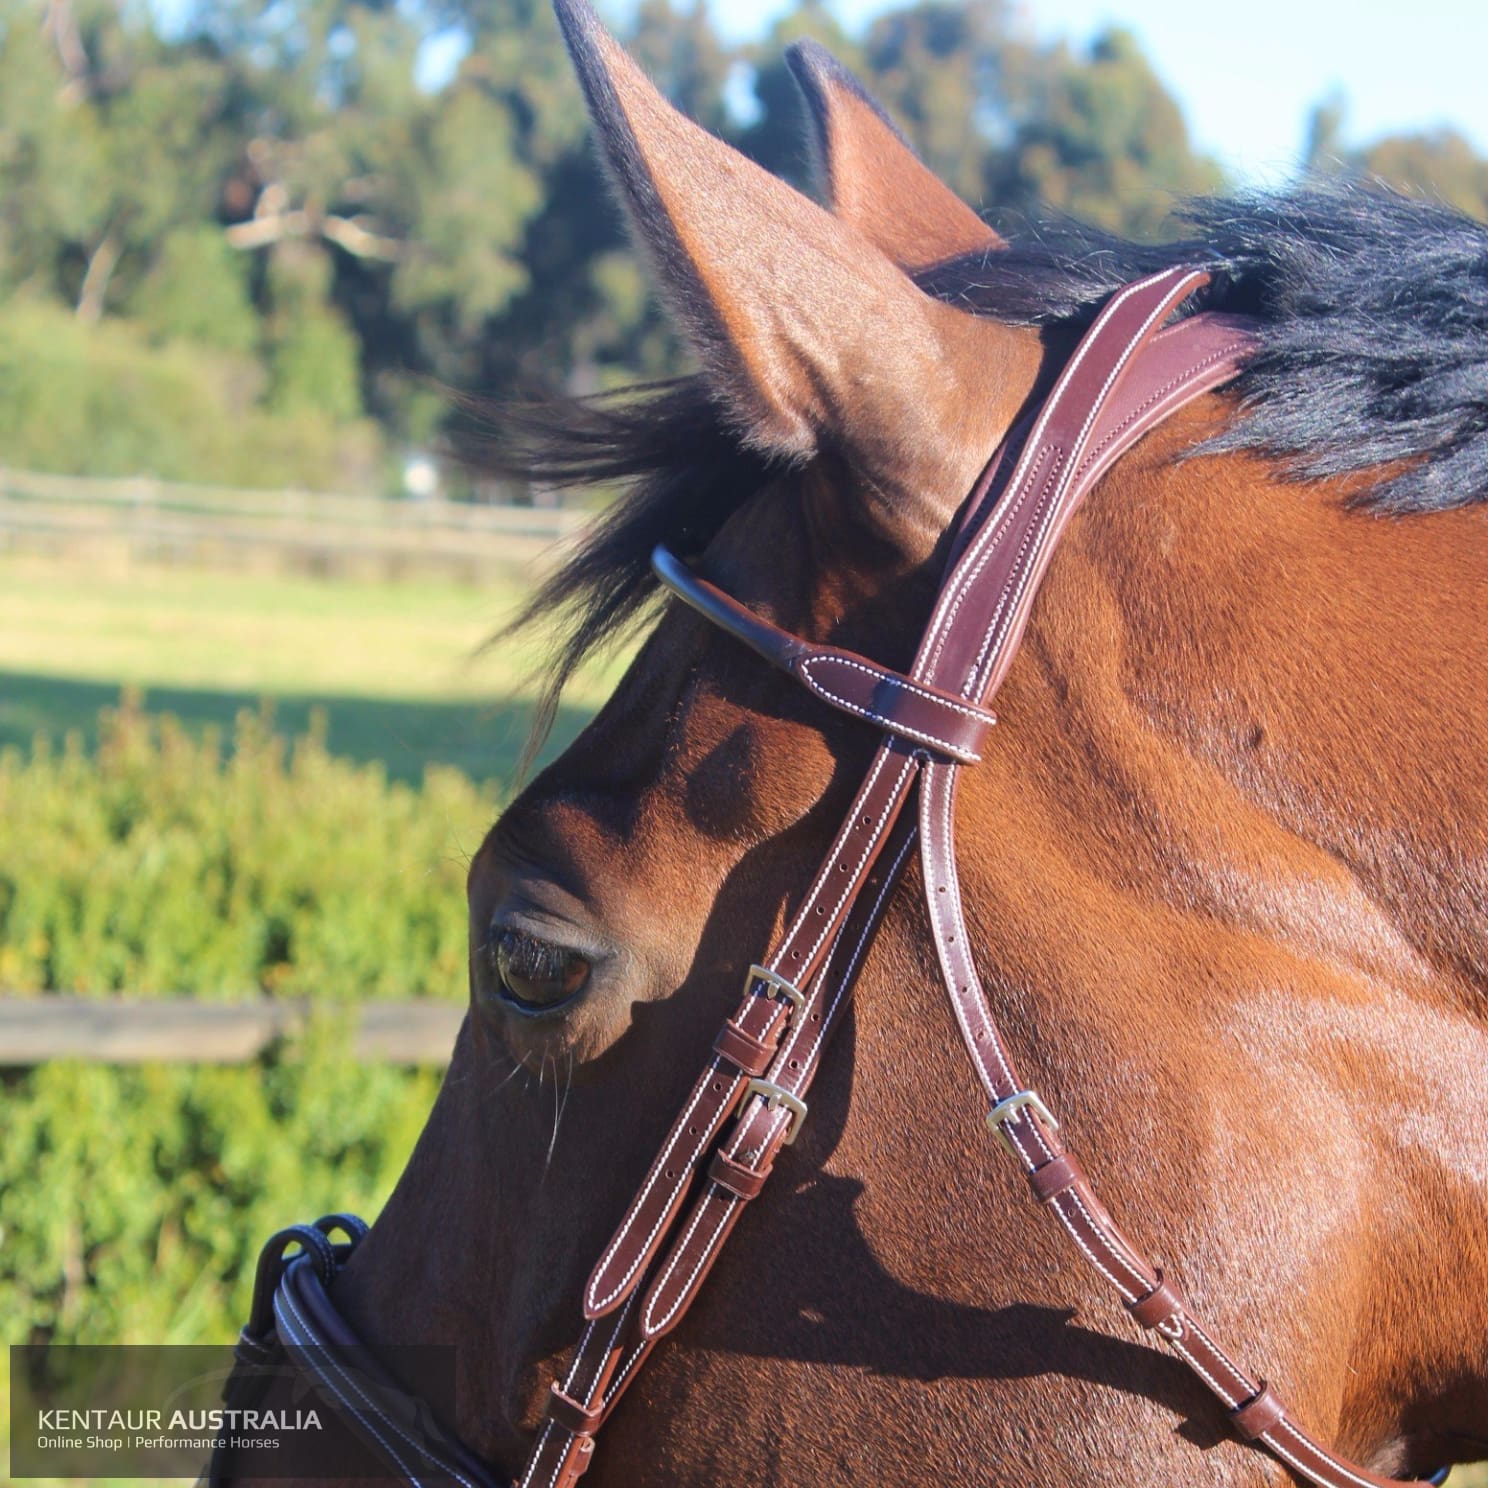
[401, 671]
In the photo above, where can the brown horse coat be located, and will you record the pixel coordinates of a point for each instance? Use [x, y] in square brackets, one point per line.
[1225, 865]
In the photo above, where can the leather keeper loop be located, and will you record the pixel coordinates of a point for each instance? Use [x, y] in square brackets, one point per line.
[575, 1462]
[744, 1050]
[1163, 1303]
[1054, 1178]
[742, 1182]
[1259, 1414]
[563, 1410]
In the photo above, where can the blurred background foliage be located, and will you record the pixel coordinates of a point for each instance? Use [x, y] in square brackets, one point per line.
[132, 1200]
[251, 242]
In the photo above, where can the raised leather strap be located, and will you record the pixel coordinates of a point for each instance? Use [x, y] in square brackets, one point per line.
[760, 1129]
[1193, 358]
[613, 1349]
[996, 578]
[763, 1015]
[1126, 376]
[652, 1215]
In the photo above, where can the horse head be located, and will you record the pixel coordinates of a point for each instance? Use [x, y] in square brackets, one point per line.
[1223, 867]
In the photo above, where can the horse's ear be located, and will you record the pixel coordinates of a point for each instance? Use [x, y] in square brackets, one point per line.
[870, 175]
[809, 336]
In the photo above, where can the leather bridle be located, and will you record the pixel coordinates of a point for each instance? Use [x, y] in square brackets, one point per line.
[1127, 375]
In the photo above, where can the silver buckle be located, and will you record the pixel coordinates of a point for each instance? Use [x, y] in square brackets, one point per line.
[776, 983]
[1006, 1111]
[775, 1097]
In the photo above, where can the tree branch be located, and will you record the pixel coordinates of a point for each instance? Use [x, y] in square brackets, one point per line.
[96, 280]
[61, 25]
[349, 233]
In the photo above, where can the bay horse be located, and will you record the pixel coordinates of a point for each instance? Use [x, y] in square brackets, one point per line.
[1225, 859]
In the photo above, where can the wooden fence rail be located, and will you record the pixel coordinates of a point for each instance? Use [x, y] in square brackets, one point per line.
[145, 493]
[342, 536]
[180, 1030]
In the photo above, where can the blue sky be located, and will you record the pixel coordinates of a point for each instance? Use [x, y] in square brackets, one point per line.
[1247, 74]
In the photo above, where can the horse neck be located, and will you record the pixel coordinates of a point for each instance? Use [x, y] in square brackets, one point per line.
[1231, 853]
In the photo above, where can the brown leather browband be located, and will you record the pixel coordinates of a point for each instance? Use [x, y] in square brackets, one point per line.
[1126, 376]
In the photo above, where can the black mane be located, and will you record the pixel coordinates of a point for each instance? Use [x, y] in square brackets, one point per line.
[1373, 315]
[1373, 311]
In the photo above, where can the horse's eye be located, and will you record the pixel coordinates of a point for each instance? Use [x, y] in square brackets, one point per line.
[536, 976]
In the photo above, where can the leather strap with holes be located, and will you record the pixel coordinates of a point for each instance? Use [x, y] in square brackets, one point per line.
[1125, 377]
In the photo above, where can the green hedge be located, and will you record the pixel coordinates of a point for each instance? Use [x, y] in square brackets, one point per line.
[132, 1200]
[162, 863]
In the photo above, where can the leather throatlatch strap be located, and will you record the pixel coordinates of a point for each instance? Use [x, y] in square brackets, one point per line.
[1125, 377]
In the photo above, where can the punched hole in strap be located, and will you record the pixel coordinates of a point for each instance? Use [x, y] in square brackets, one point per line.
[1258, 1415]
[1160, 1307]
[572, 1415]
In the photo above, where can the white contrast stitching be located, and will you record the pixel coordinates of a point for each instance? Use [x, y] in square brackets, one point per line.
[1161, 309]
[649, 1321]
[619, 1380]
[942, 619]
[1074, 1233]
[905, 684]
[597, 1303]
[852, 877]
[1308, 1472]
[310, 1341]
[1182, 1349]
[1241, 1386]
[879, 760]
[807, 1064]
[568, 1387]
[956, 751]
[977, 715]
[869, 927]
[1031, 453]
[1024, 563]
[1142, 1285]
[1185, 379]
[957, 968]
[600, 1303]
[996, 532]
[542, 1442]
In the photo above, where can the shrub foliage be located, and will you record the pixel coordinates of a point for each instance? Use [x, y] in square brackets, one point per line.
[132, 1200]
